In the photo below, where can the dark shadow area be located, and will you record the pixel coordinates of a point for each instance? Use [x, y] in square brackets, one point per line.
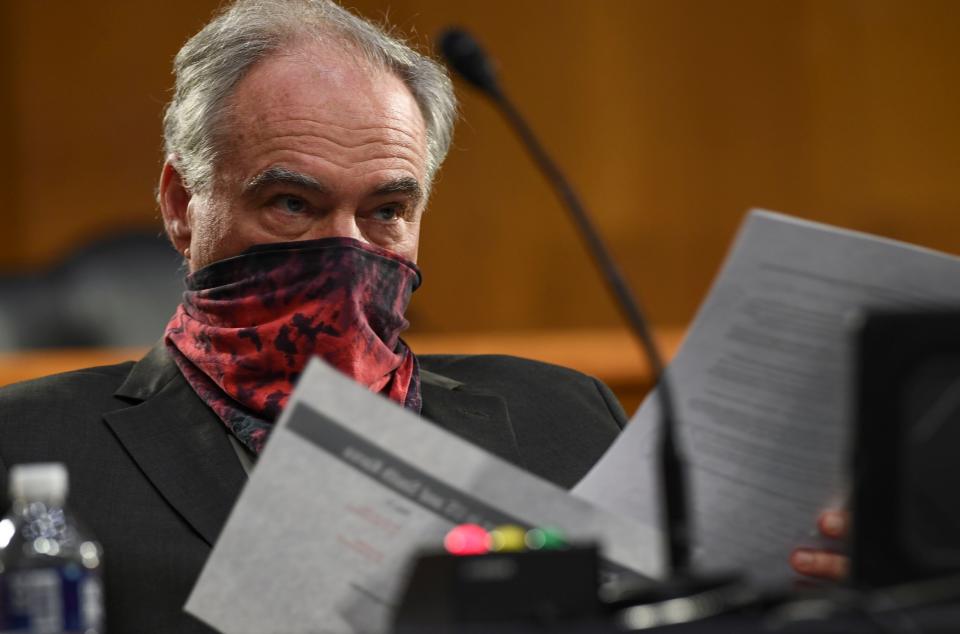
[118, 291]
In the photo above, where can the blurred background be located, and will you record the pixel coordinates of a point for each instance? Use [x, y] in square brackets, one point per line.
[673, 117]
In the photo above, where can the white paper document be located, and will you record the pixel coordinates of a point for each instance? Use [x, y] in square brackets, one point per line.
[761, 385]
[348, 489]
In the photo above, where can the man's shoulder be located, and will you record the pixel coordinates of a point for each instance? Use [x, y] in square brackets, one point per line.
[487, 367]
[560, 420]
[528, 382]
[76, 391]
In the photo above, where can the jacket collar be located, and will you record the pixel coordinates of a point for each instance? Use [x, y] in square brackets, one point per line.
[149, 375]
[178, 442]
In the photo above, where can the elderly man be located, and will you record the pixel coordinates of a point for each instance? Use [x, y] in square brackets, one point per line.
[301, 145]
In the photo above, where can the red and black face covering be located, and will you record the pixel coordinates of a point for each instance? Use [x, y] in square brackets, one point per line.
[249, 324]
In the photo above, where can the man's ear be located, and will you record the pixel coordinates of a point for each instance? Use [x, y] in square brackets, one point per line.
[174, 199]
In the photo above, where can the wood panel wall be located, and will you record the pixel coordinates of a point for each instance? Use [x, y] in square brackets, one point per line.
[672, 116]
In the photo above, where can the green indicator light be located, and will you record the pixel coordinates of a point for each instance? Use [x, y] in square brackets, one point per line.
[545, 539]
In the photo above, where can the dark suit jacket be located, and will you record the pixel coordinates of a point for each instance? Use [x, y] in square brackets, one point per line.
[153, 474]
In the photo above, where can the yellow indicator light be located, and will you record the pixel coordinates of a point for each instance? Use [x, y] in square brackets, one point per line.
[508, 538]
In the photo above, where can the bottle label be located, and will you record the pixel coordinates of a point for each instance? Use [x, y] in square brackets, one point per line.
[51, 600]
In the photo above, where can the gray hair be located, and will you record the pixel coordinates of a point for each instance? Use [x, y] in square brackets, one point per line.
[213, 61]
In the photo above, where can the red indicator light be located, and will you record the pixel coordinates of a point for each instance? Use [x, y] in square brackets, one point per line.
[467, 539]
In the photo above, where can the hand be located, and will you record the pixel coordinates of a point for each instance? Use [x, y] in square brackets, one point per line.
[824, 564]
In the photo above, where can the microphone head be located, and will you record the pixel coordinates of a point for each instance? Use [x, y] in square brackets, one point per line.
[464, 55]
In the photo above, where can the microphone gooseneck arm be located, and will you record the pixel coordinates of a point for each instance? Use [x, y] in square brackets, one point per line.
[465, 56]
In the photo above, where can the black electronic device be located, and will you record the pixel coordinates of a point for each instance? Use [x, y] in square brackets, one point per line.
[906, 458]
[532, 587]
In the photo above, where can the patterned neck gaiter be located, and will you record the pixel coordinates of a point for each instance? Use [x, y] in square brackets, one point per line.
[249, 324]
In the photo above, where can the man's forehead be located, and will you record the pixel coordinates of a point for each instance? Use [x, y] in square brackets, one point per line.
[295, 108]
[361, 124]
[284, 92]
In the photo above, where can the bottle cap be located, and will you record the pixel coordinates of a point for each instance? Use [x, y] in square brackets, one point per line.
[42, 481]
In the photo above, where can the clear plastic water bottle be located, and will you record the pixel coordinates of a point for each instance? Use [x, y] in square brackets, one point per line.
[50, 567]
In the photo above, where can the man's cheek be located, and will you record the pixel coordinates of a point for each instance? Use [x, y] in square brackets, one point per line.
[409, 247]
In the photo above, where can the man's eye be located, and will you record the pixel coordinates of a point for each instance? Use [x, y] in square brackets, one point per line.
[291, 204]
[388, 213]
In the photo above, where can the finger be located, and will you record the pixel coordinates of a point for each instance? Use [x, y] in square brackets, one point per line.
[834, 524]
[820, 564]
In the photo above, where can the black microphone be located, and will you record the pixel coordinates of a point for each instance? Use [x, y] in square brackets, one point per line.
[465, 56]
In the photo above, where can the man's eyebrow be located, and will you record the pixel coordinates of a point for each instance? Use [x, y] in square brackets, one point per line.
[283, 176]
[404, 185]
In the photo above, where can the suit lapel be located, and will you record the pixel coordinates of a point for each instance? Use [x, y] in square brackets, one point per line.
[179, 444]
[476, 416]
